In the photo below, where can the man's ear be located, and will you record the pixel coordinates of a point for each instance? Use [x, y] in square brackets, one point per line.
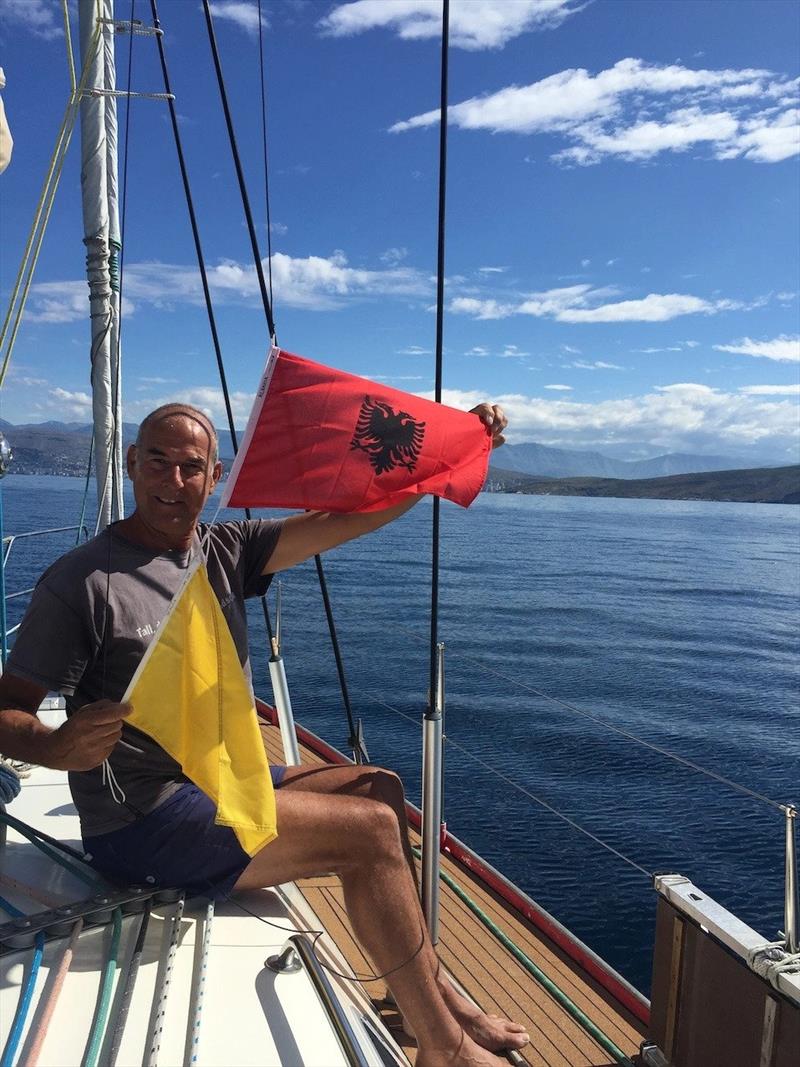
[216, 474]
[130, 460]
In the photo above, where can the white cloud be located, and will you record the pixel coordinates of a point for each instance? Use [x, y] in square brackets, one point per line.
[684, 417]
[582, 303]
[42, 18]
[316, 283]
[60, 302]
[393, 256]
[208, 398]
[655, 307]
[585, 262]
[69, 403]
[474, 24]
[635, 111]
[241, 13]
[477, 350]
[792, 389]
[597, 365]
[414, 350]
[784, 349]
[560, 388]
[492, 270]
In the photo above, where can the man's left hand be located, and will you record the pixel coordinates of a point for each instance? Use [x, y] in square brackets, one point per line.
[494, 418]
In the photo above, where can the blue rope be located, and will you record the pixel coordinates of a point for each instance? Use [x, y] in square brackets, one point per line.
[9, 784]
[26, 995]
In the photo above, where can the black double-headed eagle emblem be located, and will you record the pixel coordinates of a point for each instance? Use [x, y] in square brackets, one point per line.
[390, 438]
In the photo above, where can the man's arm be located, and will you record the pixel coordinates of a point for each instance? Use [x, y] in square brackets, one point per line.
[79, 744]
[306, 535]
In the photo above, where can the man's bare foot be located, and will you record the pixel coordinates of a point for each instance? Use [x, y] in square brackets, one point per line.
[491, 1032]
[467, 1054]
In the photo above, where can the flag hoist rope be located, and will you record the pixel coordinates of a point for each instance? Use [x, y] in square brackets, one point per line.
[276, 661]
[212, 322]
[41, 218]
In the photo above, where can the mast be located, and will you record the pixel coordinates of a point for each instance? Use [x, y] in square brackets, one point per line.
[102, 240]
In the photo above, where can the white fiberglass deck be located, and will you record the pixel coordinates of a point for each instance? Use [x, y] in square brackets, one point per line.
[250, 1015]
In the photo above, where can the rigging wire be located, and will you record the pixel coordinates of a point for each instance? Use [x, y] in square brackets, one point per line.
[239, 172]
[264, 141]
[435, 533]
[201, 263]
[521, 789]
[268, 311]
[668, 753]
[33, 246]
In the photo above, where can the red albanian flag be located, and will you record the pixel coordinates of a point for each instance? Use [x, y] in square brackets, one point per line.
[323, 440]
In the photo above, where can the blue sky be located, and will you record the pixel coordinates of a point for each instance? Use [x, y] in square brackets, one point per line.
[622, 243]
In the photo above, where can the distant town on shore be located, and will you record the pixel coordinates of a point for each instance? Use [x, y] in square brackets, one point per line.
[59, 448]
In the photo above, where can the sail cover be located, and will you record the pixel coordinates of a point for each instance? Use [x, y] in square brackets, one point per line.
[6, 141]
[324, 440]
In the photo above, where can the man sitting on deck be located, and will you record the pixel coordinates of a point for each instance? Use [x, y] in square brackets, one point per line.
[89, 622]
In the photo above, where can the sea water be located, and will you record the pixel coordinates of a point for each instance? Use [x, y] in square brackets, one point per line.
[673, 621]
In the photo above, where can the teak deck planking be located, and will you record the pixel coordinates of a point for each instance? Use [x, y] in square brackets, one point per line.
[492, 976]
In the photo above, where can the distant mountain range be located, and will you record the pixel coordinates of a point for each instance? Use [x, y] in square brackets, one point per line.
[757, 485]
[63, 448]
[546, 462]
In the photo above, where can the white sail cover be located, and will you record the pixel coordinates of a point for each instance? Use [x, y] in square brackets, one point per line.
[6, 140]
[101, 237]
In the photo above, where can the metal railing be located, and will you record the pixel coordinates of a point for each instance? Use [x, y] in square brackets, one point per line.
[299, 951]
[8, 543]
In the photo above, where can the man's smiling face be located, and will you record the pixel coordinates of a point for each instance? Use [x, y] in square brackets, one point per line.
[173, 471]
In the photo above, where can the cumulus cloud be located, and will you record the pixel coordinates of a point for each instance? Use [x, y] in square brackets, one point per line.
[208, 398]
[315, 283]
[42, 18]
[784, 349]
[241, 13]
[793, 389]
[636, 110]
[70, 403]
[474, 24]
[60, 302]
[681, 417]
[560, 388]
[583, 303]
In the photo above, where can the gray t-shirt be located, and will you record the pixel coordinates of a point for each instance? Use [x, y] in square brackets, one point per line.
[90, 619]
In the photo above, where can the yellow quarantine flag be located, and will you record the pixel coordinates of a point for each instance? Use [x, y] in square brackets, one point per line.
[191, 695]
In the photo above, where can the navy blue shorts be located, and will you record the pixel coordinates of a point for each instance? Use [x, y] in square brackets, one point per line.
[177, 846]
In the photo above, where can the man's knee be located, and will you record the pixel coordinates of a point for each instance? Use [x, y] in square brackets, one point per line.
[378, 833]
[387, 787]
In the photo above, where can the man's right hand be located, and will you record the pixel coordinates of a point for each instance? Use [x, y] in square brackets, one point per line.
[87, 737]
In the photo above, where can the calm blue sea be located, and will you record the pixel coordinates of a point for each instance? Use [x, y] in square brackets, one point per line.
[676, 621]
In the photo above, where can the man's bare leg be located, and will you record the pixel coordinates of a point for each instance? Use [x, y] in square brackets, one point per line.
[360, 841]
[374, 783]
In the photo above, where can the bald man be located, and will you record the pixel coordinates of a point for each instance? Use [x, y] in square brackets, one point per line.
[89, 622]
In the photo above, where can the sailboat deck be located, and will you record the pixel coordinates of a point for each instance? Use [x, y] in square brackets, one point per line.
[486, 969]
